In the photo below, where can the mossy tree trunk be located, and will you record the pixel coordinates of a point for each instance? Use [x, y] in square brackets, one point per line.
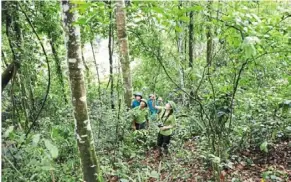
[123, 50]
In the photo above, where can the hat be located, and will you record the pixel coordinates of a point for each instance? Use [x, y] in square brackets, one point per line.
[138, 94]
[151, 95]
[143, 100]
[173, 105]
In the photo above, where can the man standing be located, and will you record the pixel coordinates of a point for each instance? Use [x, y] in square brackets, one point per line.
[140, 116]
[137, 99]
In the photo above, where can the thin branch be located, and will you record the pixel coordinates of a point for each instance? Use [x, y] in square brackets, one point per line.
[235, 89]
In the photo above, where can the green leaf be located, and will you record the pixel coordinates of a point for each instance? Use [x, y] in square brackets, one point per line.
[178, 29]
[184, 18]
[78, 2]
[154, 174]
[195, 8]
[8, 131]
[263, 146]
[124, 180]
[52, 148]
[35, 139]
[158, 9]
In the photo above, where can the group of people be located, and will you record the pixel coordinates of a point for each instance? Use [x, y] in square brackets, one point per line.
[154, 110]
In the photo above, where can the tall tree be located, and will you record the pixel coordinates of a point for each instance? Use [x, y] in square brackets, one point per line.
[123, 50]
[209, 36]
[83, 127]
[191, 40]
[110, 51]
[180, 37]
[191, 43]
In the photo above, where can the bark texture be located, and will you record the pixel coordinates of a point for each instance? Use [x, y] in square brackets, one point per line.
[209, 38]
[191, 40]
[110, 51]
[123, 50]
[83, 128]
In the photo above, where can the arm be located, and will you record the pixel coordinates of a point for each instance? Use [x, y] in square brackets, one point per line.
[156, 107]
[172, 125]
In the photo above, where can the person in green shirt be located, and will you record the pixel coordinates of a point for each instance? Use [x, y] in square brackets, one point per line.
[167, 123]
[140, 116]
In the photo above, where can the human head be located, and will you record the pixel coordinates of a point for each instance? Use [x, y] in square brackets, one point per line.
[170, 105]
[143, 103]
[138, 96]
[152, 96]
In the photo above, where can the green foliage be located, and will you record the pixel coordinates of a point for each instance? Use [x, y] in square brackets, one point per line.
[240, 102]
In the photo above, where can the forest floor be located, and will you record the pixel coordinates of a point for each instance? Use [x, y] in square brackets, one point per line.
[274, 165]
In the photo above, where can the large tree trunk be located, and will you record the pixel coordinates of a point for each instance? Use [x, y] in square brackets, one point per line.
[123, 50]
[83, 127]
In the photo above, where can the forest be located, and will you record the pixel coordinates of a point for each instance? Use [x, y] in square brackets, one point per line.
[146, 91]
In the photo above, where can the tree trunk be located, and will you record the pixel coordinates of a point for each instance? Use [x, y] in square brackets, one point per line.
[8, 74]
[110, 49]
[97, 70]
[123, 50]
[191, 40]
[181, 57]
[83, 127]
[58, 68]
[191, 43]
[13, 33]
[209, 38]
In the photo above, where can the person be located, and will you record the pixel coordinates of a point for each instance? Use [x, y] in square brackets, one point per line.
[140, 116]
[137, 99]
[153, 111]
[167, 123]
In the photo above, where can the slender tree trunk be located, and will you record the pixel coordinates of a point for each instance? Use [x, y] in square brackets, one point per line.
[209, 38]
[123, 50]
[191, 43]
[97, 70]
[181, 52]
[83, 127]
[191, 40]
[58, 68]
[110, 49]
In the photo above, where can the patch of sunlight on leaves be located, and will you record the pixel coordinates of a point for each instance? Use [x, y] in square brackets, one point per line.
[52, 148]
[263, 146]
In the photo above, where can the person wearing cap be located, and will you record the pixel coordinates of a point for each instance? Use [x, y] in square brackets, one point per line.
[140, 116]
[137, 99]
[153, 111]
[167, 123]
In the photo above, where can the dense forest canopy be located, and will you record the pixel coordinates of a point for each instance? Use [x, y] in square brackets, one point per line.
[220, 70]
